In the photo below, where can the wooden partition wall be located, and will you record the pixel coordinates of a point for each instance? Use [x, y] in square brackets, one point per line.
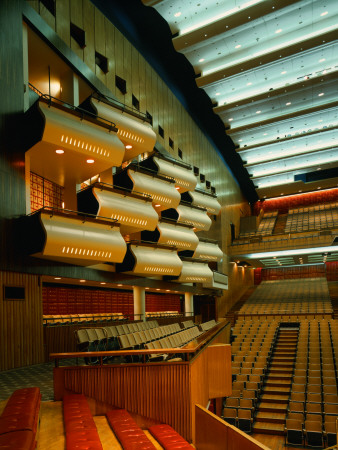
[211, 432]
[21, 339]
[162, 392]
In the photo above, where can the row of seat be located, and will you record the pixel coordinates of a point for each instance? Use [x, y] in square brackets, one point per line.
[312, 218]
[66, 319]
[80, 428]
[20, 419]
[310, 431]
[132, 437]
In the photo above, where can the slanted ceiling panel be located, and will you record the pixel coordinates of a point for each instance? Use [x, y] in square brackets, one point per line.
[134, 214]
[79, 242]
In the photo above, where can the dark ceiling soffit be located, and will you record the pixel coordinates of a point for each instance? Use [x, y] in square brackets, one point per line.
[149, 33]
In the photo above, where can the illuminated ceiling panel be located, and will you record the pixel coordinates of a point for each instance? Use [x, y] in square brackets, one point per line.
[270, 69]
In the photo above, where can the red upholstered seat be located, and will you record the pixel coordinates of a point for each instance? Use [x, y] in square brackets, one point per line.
[130, 435]
[168, 437]
[16, 422]
[81, 432]
[83, 440]
[18, 440]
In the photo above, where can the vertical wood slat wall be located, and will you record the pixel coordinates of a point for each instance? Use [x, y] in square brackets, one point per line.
[156, 98]
[163, 392]
[21, 337]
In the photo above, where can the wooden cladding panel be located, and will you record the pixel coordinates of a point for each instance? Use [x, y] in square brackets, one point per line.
[76, 17]
[62, 20]
[20, 323]
[219, 371]
[212, 432]
[89, 27]
[159, 391]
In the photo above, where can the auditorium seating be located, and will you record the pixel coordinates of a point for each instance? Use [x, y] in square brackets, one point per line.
[296, 296]
[64, 319]
[130, 435]
[168, 437]
[20, 419]
[312, 218]
[80, 428]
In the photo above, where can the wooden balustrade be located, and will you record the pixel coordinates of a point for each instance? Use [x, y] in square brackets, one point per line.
[162, 392]
[213, 432]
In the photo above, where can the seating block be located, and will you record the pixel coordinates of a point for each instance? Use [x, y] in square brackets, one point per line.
[168, 437]
[18, 440]
[130, 435]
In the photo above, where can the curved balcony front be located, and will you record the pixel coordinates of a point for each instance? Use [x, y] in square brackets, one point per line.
[208, 251]
[195, 272]
[203, 200]
[190, 215]
[170, 233]
[150, 260]
[134, 212]
[65, 144]
[184, 178]
[75, 239]
[136, 133]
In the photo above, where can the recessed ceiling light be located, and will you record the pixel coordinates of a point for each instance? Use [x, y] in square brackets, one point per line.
[177, 187]
[59, 151]
[258, 112]
[283, 73]
[321, 94]
[218, 93]
[318, 187]
[146, 288]
[205, 35]
[231, 119]
[177, 14]
[82, 281]
[102, 282]
[129, 146]
[300, 191]
[240, 140]
[157, 206]
[288, 103]
[238, 46]
[324, 13]
[320, 120]
[120, 285]
[57, 278]
[279, 30]
[319, 168]
[282, 193]
[167, 290]
[265, 134]
[322, 60]
[249, 84]
[90, 161]
[158, 289]
[324, 72]
[201, 60]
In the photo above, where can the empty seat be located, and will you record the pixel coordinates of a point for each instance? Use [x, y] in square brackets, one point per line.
[313, 433]
[244, 420]
[294, 432]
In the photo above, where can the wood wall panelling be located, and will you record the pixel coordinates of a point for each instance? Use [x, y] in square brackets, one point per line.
[76, 17]
[47, 16]
[110, 52]
[100, 42]
[89, 27]
[62, 20]
[219, 370]
[21, 336]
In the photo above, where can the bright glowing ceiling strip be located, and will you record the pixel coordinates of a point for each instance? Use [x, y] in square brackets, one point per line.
[219, 16]
[272, 49]
[300, 251]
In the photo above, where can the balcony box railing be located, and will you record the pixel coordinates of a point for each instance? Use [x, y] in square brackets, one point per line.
[133, 128]
[161, 189]
[219, 281]
[170, 233]
[190, 215]
[134, 212]
[65, 144]
[151, 259]
[203, 200]
[67, 236]
[195, 272]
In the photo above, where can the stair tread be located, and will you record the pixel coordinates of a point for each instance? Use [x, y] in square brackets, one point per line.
[269, 426]
[278, 406]
[265, 415]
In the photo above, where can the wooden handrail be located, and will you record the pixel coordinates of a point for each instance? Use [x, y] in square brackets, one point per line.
[188, 349]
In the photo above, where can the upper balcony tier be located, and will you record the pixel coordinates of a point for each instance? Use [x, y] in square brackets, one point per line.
[190, 215]
[65, 144]
[203, 199]
[169, 232]
[134, 129]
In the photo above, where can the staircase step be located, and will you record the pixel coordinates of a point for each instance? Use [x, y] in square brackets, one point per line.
[279, 376]
[273, 370]
[270, 417]
[268, 428]
[275, 398]
[272, 407]
[278, 383]
[277, 391]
